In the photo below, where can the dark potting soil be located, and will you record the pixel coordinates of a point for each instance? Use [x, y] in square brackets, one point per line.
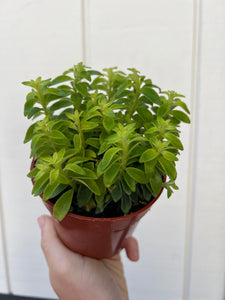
[110, 211]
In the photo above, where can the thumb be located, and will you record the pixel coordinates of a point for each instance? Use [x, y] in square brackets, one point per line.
[132, 249]
[54, 250]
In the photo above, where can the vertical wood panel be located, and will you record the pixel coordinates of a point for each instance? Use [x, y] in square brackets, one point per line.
[156, 38]
[208, 251]
[37, 38]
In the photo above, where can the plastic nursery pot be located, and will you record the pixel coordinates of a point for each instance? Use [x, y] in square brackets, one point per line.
[97, 237]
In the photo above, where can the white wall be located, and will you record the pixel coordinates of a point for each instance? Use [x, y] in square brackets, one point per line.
[180, 45]
[3, 275]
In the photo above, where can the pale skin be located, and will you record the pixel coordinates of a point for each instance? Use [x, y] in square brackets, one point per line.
[77, 277]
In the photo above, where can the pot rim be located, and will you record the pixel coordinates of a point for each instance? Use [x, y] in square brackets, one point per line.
[80, 217]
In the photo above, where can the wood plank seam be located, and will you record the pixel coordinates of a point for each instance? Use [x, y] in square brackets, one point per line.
[191, 193]
[84, 30]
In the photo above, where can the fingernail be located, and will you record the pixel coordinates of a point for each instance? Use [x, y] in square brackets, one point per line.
[41, 222]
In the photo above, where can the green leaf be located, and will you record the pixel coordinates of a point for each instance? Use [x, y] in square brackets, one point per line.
[30, 133]
[126, 188]
[60, 79]
[146, 193]
[135, 151]
[114, 138]
[76, 99]
[34, 113]
[149, 165]
[138, 120]
[56, 134]
[78, 159]
[84, 74]
[90, 153]
[109, 113]
[63, 179]
[88, 125]
[108, 124]
[83, 196]
[169, 192]
[29, 83]
[163, 109]
[75, 168]
[42, 166]
[181, 116]
[57, 92]
[89, 174]
[38, 139]
[151, 130]
[169, 156]
[77, 143]
[94, 142]
[60, 156]
[94, 72]
[148, 155]
[82, 88]
[33, 173]
[54, 174]
[116, 192]
[29, 105]
[62, 206]
[130, 182]
[168, 167]
[91, 184]
[182, 105]
[174, 140]
[137, 174]
[91, 113]
[145, 114]
[108, 156]
[60, 104]
[39, 174]
[126, 203]
[155, 181]
[49, 190]
[104, 147]
[111, 173]
[60, 188]
[150, 94]
[39, 184]
[99, 199]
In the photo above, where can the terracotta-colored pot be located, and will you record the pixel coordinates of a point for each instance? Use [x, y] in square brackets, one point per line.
[97, 237]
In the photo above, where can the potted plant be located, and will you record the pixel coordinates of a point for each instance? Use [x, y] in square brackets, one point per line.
[102, 147]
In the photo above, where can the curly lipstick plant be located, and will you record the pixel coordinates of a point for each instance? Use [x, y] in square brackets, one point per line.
[104, 141]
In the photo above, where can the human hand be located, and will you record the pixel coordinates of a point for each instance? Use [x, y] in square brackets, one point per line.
[77, 277]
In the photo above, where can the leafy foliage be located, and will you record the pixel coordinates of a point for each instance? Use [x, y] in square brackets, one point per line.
[102, 138]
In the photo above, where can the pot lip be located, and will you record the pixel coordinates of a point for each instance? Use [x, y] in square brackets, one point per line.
[80, 217]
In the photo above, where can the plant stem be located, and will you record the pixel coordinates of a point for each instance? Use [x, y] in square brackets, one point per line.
[136, 86]
[49, 137]
[81, 135]
[136, 102]
[110, 74]
[125, 154]
[42, 102]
